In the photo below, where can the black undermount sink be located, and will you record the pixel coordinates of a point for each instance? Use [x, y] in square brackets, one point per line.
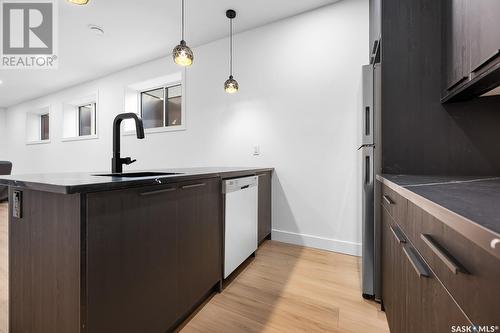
[138, 174]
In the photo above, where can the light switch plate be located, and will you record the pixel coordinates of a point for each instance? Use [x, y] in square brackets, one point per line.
[256, 150]
[17, 204]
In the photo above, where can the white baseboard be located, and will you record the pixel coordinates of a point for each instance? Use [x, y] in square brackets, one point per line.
[317, 242]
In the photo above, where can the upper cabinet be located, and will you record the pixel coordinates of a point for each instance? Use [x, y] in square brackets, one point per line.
[471, 48]
[457, 53]
[484, 27]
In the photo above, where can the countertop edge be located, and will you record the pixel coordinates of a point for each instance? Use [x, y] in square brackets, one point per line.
[133, 182]
[471, 230]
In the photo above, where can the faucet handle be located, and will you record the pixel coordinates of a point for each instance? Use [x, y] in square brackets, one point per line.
[128, 160]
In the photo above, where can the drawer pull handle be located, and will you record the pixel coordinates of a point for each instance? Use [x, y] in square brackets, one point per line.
[416, 262]
[193, 186]
[398, 234]
[170, 189]
[442, 254]
[388, 200]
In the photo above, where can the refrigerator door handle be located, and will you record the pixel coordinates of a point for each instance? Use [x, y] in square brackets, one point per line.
[371, 145]
[368, 169]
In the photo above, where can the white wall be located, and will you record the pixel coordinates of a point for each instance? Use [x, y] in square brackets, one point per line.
[299, 99]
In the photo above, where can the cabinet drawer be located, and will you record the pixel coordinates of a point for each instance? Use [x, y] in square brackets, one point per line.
[395, 204]
[411, 292]
[469, 273]
[429, 307]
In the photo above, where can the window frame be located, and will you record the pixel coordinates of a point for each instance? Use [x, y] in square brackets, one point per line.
[131, 100]
[73, 105]
[164, 87]
[33, 125]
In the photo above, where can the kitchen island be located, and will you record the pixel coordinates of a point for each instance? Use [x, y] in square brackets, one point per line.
[93, 253]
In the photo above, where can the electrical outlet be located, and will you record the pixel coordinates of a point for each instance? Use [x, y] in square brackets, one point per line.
[17, 205]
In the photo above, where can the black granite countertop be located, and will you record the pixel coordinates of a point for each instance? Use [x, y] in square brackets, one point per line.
[475, 198]
[69, 183]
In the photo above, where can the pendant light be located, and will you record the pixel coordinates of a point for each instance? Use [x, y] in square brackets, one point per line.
[231, 85]
[182, 54]
[78, 2]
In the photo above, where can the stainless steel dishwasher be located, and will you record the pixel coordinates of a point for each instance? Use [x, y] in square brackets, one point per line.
[240, 221]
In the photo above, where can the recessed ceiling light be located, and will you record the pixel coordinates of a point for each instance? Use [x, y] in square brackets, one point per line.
[78, 2]
[96, 29]
[1, 81]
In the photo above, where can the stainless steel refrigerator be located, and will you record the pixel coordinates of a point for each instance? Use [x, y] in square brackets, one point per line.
[371, 165]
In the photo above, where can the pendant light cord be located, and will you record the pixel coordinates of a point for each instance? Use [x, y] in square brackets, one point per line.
[231, 47]
[182, 19]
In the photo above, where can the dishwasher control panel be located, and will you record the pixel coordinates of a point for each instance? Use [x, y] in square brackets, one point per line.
[238, 184]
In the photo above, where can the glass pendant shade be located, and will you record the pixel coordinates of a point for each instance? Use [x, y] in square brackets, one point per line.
[78, 2]
[231, 85]
[183, 55]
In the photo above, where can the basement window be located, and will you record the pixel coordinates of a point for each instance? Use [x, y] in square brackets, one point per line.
[159, 101]
[80, 118]
[86, 119]
[38, 126]
[161, 107]
[44, 127]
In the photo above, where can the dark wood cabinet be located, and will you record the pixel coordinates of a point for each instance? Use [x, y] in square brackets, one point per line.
[393, 290]
[429, 308]
[471, 48]
[152, 255]
[44, 263]
[264, 203]
[131, 252]
[459, 264]
[484, 32]
[119, 257]
[456, 39]
[414, 298]
[199, 241]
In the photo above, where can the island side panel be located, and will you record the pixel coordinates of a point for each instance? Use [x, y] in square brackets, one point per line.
[44, 263]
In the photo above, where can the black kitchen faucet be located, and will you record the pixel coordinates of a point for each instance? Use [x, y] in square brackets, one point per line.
[117, 162]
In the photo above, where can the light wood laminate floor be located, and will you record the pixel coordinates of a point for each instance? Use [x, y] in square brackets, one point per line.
[286, 288]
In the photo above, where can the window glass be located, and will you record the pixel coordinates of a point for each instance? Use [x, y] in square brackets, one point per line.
[86, 120]
[173, 106]
[162, 107]
[44, 124]
[152, 108]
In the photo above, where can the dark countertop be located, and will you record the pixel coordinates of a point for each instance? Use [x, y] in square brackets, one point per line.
[471, 205]
[476, 198]
[69, 183]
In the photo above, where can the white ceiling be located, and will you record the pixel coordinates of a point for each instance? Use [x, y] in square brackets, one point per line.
[135, 32]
